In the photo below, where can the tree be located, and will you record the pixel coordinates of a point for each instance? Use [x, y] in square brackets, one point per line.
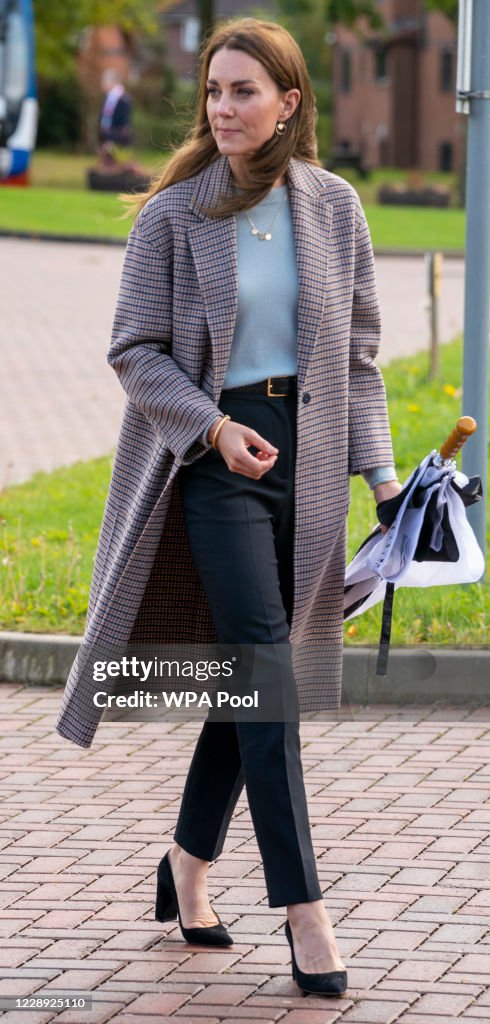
[61, 23]
[447, 7]
[347, 11]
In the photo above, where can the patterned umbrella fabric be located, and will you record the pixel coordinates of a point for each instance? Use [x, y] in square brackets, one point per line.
[429, 540]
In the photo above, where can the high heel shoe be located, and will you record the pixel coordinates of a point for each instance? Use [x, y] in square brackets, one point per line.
[332, 983]
[167, 909]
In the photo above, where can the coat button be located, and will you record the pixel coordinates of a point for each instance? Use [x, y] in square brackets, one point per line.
[306, 397]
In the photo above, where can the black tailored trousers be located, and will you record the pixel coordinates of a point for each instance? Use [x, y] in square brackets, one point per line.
[240, 534]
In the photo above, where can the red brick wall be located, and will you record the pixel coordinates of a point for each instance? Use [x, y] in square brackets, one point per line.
[361, 116]
[401, 120]
[438, 119]
[104, 47]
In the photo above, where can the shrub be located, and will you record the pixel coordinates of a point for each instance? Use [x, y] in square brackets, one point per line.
[60, 112]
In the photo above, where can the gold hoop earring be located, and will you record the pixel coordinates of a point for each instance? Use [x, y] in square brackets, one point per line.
[280, 128]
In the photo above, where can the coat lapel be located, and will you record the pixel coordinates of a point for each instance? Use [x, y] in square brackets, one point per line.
[213, 244]
[312, 217]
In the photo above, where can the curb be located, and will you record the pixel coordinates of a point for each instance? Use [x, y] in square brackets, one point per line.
[420, 675]
[40, 236]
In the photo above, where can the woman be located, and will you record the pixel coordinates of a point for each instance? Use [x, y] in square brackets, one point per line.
[245, 333]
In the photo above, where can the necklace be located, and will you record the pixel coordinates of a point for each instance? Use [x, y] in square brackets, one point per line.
[264, 236]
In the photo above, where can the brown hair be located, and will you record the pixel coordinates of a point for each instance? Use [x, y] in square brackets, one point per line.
[280, 55]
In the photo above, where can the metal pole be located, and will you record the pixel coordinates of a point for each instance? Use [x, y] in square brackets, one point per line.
[477, 260]
[434, 265]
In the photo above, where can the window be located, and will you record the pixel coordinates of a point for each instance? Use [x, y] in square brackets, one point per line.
[346, 71]
[445, 156]
[446, 70]
[380, 64]
[190, 32]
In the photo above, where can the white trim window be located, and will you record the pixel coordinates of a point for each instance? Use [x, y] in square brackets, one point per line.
[189, 34]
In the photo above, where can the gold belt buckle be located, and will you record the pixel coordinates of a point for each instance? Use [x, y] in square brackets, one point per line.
[275, 394]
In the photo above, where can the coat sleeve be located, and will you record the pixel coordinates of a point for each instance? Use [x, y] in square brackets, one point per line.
[369, 429]
[141, 338]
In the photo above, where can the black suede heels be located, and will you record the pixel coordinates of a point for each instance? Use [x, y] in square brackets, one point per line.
[167, 909]
[333, 983]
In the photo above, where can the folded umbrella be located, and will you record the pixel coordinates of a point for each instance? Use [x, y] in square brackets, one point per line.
[429, 540]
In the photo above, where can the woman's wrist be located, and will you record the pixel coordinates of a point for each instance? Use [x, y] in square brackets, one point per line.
[385, 490]
[212, 428]
[217, 430]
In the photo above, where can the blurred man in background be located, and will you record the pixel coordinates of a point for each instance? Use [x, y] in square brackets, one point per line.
[115, 118]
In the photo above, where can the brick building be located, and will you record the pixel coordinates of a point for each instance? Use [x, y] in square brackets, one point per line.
[105, 46]
[394, 91]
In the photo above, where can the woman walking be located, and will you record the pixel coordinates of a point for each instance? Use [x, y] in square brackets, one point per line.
[245, 334]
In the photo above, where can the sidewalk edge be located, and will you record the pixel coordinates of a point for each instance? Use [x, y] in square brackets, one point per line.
[415, 675]
[42, 236]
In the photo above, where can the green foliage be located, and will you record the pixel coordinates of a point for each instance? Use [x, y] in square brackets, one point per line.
[49, 528]
[348, 11]
[48, 533]
[164, 120]
[60, 25]
[308, 25]
[60, 105]
[447, 7]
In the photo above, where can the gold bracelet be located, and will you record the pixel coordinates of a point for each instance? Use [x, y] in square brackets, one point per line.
[218, 428]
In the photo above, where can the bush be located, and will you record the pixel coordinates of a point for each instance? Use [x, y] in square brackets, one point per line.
[60, 112]
[169, 120]
[324, 124]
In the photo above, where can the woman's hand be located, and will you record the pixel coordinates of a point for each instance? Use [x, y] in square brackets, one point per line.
[233, 442]
[384, 491]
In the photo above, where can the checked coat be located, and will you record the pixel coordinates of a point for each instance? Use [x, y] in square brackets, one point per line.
[171, 340]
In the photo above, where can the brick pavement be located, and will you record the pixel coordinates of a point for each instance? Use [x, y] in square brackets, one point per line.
[59, 399]
[399, 804]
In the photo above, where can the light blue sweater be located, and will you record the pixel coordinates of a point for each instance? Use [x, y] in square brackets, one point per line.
[265, 338]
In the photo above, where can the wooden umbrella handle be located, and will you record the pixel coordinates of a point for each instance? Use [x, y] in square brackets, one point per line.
[464, 428]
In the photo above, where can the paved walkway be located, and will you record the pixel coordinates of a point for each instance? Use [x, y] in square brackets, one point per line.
[399, 806]
[59, 399]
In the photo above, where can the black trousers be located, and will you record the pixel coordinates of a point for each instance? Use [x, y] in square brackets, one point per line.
[240, 534]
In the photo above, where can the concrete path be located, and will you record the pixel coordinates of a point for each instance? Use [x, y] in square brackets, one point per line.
[399, 804]
[59, 399]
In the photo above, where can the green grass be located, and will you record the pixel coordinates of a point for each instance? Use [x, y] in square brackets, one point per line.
[59, 203]
[368, 187]
[49, 530]
[395, 227]
[98, 215]
[63, 211]
[53, 169]
[50, 527]
[57, 169]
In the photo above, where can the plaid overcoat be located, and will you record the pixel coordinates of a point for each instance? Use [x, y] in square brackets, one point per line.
[171, 340]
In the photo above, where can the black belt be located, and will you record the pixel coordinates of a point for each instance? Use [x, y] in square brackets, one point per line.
[273, 387]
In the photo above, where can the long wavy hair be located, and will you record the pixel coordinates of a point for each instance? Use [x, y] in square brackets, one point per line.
[280, 55]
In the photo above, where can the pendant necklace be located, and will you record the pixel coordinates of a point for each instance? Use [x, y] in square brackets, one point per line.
[264, 236]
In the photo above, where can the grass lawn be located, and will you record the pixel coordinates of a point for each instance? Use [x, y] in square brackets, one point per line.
[395, 227]
[50, 527]
[59, 203]
[63, 212]
[52, 169]
[98, 215]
